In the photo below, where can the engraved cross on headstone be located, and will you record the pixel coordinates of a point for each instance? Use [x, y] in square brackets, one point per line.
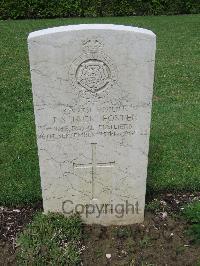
[94, 165]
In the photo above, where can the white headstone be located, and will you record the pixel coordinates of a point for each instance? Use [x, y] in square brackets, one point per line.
[92, 90]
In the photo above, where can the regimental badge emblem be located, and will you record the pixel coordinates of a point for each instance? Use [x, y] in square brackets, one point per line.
[93, 70]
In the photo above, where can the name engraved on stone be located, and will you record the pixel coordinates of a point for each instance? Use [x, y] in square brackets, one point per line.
[92, 91]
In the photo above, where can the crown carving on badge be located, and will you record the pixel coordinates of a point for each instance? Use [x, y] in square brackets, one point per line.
[92, 45]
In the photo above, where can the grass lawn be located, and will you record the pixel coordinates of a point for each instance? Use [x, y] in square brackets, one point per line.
[174, 158]
[50, 240]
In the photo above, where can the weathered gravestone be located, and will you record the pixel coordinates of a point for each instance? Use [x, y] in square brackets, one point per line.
[92, 90]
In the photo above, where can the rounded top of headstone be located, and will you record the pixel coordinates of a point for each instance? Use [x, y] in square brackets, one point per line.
[89, 27]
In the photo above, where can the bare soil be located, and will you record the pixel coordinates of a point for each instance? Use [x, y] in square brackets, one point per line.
[156, 242]
[12, 222]
[160, 240]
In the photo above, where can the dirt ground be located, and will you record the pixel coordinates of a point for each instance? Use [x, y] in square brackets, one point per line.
[156, 242]
[12, 221]
[160, 240]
